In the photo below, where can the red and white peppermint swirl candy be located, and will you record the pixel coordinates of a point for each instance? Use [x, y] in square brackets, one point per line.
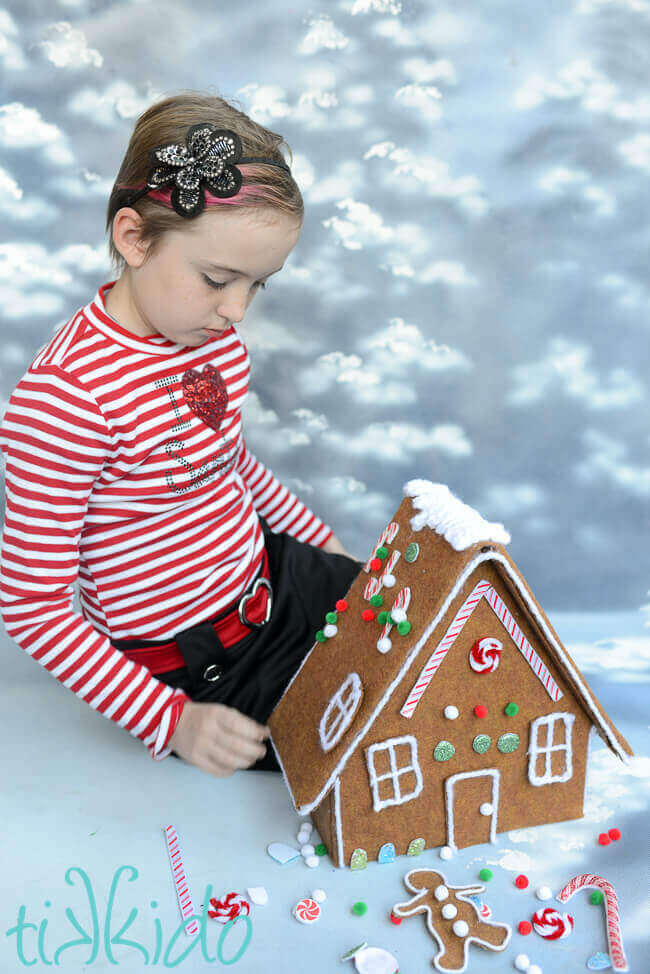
[485, 655]
[229, 908]
[551, 925]
[307, 911]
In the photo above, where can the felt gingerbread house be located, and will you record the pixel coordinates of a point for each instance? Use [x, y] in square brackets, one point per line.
[438, 705]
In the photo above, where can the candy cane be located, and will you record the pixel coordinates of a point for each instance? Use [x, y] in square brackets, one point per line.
[612, 919]
[388, 535]
[180, 879]
[375, 585]
[402, 601]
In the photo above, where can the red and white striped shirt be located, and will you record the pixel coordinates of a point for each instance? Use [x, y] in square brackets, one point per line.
[126, 468]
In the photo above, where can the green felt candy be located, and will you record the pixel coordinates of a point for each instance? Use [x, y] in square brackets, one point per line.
[321, 849]
[360, 908]
[511, 709]
[412, 551]
[485, 874]
[382, 617]
[481, 743]
[443, 751]
[359, 859]
[416, 847]
[376, 600]
[596, 897]
[331, 617]
[508, 743]
[321, 637]
[404, 627]
[382, 552]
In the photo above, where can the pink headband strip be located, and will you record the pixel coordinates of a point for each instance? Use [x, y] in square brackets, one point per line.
[164, 195]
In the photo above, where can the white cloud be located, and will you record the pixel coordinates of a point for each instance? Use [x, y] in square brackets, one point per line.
[451, 272]
[361, 226]
[560, 179]
[567, 364]
[606, 461]
[11, 55]
[511, 500]
[22, 127]
[68, 48]
[322, 34]
[636, 151]
[376, 6]
[424, 98]
[422, 70]
[629, 294]
[625, 659]
[396, 442]
[401, 346]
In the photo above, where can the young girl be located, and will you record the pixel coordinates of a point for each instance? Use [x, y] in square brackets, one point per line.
[202, 579]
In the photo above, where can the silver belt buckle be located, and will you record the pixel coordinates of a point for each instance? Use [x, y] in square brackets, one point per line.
[269, 602]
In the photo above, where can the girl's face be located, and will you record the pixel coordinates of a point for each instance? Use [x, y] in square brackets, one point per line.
[174, 293]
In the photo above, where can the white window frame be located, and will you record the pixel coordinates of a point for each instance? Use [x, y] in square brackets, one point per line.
[547, 750]
[394, 774]
[340, 711]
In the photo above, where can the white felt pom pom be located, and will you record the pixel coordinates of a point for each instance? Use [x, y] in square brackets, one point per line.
[521, 962]
[449, 911]
[486, 809]
[534, 969]
[330, 630]
[319, 895]
[398, 615]
[312, 861]
[460, 928]
[307, 850]
[388, 580]
[544, 893]
[384, 644]
[441, 892]
[451, 712]
[446, 852]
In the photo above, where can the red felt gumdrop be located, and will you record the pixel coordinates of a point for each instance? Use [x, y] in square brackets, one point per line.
[604, 839]
[614, 834]
[375, 564]
[367, 615]
[341, 605]
[394, 919]
[525, 927]
[521, 882]
[480, 710]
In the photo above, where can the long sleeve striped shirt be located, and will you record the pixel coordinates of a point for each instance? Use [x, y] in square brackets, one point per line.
[126, 472]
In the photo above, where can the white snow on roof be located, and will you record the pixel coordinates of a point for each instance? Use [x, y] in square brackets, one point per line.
[458, 523]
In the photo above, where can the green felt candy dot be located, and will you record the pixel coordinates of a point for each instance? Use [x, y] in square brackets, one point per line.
[376, 600]
[416, 847]
[360, 908]
[596, 897]
[331, 617]
[321, 637]
[382, 552]
[508, 743]
[404, 627]
[412, 551]
[382, 618]
[481, 743]
[321, 849]
[485, 874]
[359, 859]
[511, 709]
[443, 751]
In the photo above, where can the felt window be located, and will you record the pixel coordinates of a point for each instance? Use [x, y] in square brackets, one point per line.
[395, 775]
[340, 711]
[549, 756]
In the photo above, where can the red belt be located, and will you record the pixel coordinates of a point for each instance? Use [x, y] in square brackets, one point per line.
[252, 611]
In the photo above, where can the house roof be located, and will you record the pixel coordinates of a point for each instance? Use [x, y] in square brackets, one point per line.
[452, 545]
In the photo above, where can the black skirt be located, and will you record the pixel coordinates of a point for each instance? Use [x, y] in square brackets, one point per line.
[255, 671]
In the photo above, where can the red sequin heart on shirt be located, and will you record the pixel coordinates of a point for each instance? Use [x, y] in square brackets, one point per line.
[206, 394]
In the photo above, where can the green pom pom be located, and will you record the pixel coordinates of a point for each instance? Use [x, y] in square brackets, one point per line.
[331, 617]
[382, 552]
[404, 627]
[596, 897]
[485, 874]
[389, 620]
[321, 849]
[360, 908]
[511, 709]
[382, 617]
[321, 637]
[376, 600]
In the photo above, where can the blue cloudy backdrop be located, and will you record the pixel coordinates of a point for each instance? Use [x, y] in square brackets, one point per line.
[469, 299]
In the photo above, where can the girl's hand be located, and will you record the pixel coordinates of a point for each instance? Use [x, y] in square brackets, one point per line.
[334, 546]
[218, 739]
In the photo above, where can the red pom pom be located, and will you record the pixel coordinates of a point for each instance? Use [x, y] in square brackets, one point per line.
[525, 927]
[521, 882]
[614, 834]
[367, 615]
[341, 605]
[375, 564]
[480, 710]
[604, 839]
[394, 919]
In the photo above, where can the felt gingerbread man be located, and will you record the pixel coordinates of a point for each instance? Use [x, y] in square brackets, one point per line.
[452, 919]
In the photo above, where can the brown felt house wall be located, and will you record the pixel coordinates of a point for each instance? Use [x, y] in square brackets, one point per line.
[469, 720]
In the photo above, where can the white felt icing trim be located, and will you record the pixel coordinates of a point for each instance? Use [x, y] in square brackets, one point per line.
[340, 711]
[449, 801]
[412, 657]
[465, 896]
[546, 747]
[338, 823]
[395, 772]
[483, 590]
[447, 515]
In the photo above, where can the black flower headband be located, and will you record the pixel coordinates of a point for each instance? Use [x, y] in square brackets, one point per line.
[207, 159]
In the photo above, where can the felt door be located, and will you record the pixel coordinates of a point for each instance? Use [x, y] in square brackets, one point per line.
[472, 800]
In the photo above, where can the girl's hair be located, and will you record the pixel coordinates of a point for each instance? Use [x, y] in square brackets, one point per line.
[168, 120]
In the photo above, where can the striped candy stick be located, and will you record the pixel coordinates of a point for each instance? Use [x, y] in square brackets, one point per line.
[402, 601]
[612, 918]
[375, 585]
[387, 535]
[180, 879]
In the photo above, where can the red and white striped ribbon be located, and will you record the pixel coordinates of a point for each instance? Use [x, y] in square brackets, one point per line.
[485, 590]
[387, 535]
[180, 879]
[612, 918]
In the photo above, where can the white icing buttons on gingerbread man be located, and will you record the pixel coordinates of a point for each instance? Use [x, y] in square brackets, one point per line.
[460, 928]
[449, 911]
[441, 892]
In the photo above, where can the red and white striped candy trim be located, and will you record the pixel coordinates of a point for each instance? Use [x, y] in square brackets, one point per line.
[375, 585]
[551, 925]
[390, 564]
[231, 907]
[180, 880]
[307, 911]
[612, 918]
[485, 590]
[387, 535]
[402, 601]
[485, 654]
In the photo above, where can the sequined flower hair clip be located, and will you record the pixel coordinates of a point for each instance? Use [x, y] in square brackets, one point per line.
[207, 159]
